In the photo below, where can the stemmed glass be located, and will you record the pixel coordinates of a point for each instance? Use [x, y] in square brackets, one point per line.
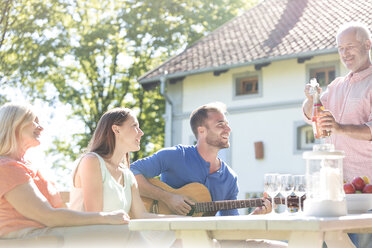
[286, 188]
[271, 187]
[299, 188]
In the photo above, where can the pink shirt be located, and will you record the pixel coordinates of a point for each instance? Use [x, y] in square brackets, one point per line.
[350, 101]
[12, 174]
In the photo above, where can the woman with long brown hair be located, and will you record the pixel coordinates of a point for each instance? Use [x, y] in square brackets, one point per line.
[103, 181]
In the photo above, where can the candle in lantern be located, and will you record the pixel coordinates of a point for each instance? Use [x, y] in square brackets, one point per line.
[330, 179]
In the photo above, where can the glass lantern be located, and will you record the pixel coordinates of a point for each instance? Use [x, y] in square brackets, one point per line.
[324, 182]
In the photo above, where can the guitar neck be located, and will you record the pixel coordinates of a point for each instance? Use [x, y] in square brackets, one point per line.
[203, 202]
[232, 204]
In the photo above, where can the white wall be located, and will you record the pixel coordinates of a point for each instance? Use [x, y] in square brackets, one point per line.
[275, 130]
[283, 81]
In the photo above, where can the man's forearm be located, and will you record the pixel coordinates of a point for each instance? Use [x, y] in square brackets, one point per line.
[149, 190]
[360, 132]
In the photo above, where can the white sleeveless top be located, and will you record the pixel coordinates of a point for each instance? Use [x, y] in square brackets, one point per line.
[115, 196]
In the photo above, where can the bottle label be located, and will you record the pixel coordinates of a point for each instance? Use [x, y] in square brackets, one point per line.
[319, 105]
[315, 128]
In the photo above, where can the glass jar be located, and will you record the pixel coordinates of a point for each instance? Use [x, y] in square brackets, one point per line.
[324, 182]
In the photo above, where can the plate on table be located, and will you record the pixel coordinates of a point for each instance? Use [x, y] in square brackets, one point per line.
[358, 203]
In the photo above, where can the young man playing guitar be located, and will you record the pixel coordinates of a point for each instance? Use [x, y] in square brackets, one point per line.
[181, 165]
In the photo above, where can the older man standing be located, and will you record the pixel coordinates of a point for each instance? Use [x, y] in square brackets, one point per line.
[348, 104]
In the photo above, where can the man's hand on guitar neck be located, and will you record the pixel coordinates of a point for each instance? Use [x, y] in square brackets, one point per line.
[179, 204]
[266, 208]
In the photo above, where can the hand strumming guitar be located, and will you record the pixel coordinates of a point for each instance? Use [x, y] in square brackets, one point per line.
[179, 204]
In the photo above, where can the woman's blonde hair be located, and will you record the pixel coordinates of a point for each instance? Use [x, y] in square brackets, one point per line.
[13, 118]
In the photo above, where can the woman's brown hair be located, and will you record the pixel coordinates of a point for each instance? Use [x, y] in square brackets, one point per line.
[103, 140]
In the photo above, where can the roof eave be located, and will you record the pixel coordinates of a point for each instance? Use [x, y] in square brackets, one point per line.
[226, 67]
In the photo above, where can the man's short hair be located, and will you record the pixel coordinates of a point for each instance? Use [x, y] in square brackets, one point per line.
[362, 31]
[199, 115]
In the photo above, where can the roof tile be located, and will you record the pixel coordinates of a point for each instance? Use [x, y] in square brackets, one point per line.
[273, 28]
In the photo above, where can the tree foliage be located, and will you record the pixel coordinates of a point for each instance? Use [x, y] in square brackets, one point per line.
[89, 54]
[5, 6]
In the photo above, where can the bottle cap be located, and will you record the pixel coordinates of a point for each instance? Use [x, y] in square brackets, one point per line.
[314, 84]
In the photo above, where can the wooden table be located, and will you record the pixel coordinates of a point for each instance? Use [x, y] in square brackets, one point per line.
[300, 231]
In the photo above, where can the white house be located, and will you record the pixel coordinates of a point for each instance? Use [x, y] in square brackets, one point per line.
[258, 65]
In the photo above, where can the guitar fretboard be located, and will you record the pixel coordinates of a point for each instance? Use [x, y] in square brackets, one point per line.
[232, 204]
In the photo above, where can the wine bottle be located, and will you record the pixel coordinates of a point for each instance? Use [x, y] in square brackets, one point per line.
[317, 109]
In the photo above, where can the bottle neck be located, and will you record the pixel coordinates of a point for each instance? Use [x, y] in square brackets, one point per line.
[317, 105]
[316, 99]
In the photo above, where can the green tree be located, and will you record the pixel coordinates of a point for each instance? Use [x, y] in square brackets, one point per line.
[5, 6]
[89, 55]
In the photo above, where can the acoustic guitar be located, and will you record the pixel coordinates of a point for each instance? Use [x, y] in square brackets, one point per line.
[204, 206]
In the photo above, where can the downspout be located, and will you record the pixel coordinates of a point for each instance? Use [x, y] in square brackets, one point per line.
[168, 116]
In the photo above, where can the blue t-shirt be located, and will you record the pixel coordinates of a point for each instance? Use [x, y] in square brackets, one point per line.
[181, 165]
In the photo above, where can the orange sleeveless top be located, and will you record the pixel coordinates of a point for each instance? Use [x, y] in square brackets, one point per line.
[12, 174]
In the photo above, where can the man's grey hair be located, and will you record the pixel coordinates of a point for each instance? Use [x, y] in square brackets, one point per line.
[362, 31]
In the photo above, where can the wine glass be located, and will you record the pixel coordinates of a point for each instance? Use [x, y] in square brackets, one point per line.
[271, 187]
[299, 188]
[286, 188]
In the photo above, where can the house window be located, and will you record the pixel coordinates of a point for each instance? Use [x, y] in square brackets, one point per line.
[324, 75]
[324, 72]
[304, 137]
[247, 84]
